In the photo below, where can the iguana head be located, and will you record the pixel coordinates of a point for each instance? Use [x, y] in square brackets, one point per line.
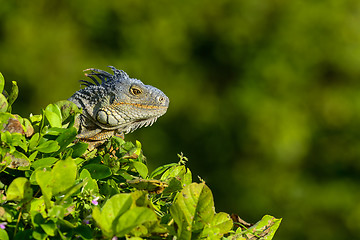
[119, 102]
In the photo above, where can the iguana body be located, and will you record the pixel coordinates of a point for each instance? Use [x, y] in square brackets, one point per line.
[116, 106]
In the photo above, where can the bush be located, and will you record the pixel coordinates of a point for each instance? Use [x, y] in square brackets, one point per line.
[52, 187]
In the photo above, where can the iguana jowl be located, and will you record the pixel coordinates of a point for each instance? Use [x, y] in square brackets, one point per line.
[115, 106]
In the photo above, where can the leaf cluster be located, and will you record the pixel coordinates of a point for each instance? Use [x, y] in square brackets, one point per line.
[52, 187]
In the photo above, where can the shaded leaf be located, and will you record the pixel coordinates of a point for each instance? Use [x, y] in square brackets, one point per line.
[79, 149]
[67, 137]
[49, 228]
[98, 171]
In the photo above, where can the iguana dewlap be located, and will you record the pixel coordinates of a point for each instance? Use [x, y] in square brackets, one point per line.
[116, 105]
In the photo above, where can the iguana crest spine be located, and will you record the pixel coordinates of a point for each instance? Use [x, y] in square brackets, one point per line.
[115, 104]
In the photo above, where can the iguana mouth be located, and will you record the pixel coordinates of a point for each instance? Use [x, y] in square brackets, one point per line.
[139, 124]
[140, 105]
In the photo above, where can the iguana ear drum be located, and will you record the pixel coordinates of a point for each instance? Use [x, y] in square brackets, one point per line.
[106, 118]
[101, 117]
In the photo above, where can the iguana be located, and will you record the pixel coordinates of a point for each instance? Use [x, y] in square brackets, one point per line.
[116, 105]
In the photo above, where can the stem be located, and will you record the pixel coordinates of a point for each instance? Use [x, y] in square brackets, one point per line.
[17, 222]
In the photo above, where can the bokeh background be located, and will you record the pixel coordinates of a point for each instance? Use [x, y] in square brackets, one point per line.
[265, 94]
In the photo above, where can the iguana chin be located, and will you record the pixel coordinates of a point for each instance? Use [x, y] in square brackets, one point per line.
[115, 106]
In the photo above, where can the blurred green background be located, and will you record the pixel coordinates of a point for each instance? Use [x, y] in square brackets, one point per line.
[264, 94]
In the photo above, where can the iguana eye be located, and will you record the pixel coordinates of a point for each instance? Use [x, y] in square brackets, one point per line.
[135, 90]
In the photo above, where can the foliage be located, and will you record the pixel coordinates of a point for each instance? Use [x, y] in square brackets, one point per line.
[264, 93]
[52, 187]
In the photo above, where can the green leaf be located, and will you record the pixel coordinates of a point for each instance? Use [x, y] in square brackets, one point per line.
[2, 83]
[173, 186]
[67, 137]
[91, 184]
[34, 140]
[150, 185]
[84, 231]
[133, 218]
[48, 146]
[37, 205]
[67, 109]
[3, 103]
[54, 131]
[13, 95]
[17, 160]
[113, 208]
[53, 115]
[63, 175]
[19, 189]
[179, 172]
[39, 235]
[161, 169]
[44, 162]
[49, 228]
[44, 179]
[141, 168]
[220, 225]
[265, 228]
[79, 149]
[193, 209]
[3, 235]
[57, 212]
[98, 171]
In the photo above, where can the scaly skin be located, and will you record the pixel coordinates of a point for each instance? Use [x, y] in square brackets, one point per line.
[115, 106]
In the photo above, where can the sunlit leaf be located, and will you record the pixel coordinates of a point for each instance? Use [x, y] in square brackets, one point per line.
[3, 103]
[193, 210]
[48, 147]
[63, 175]
[113, 208]
[19, 189]
[265, 228]
[44, 162]
[2, 83]
[3, 234]
[53, 115]
[141, 168]
[91, 184]
[133, 218]
[13, 95]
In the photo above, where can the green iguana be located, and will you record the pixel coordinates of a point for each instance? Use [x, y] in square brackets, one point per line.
[116, 105]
